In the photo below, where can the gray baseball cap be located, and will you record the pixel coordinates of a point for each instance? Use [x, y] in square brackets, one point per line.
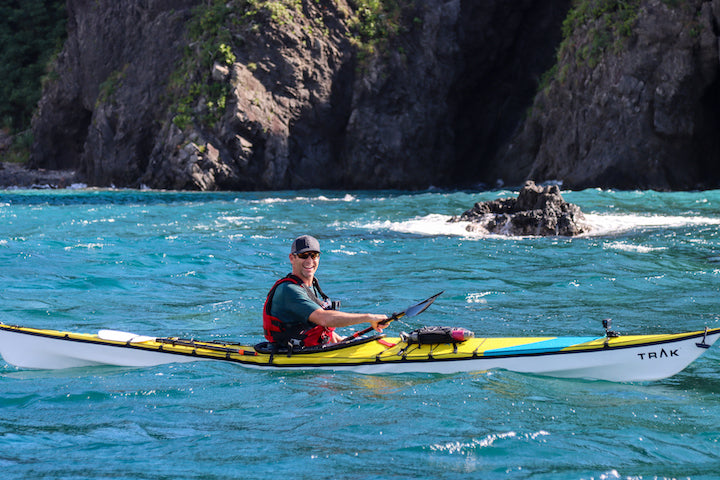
[305, 243]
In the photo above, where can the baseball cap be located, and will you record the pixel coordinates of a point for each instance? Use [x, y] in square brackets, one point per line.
[305, 243]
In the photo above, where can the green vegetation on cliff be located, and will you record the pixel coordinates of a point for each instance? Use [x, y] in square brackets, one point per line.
[31, 33]
[216, 31]
[591, 29]
[376, 22]
[219, 29]
[606, 22]
[210, 36]
[594, 28]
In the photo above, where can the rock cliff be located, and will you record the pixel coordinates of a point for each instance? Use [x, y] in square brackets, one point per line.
[100, 110]
[252, 94]
[287, 94]
[632, 103]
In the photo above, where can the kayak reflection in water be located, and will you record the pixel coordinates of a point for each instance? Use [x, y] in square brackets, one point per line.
[298, 312]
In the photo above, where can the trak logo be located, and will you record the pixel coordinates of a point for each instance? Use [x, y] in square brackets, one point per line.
[661, 354]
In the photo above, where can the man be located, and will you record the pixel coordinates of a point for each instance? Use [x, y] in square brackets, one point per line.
[298, 312]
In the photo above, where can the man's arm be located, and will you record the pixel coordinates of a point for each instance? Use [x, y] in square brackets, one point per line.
[335, 318]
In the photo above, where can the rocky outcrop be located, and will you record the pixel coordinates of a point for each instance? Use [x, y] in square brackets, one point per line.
[306, 101]
[14, 175]
[537, 211]
[633, 101]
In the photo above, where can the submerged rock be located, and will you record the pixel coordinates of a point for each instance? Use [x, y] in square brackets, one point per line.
[539, 211]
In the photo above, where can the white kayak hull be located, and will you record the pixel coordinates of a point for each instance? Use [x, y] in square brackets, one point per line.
[620, 359]
[621, 366]
[38, 352]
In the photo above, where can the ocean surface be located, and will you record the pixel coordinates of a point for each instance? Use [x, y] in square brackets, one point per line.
[200, 264]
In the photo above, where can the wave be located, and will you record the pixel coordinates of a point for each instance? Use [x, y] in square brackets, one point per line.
[610, 224]
[431, 225]
[601, 225]
[320, 198]
[487, 441]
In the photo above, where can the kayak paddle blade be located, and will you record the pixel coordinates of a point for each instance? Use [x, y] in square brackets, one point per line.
[420, 307]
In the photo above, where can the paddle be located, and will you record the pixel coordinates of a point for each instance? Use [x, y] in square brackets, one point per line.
[408, 312]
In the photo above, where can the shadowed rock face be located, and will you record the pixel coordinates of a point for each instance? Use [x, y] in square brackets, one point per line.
[538, 211]
[304, 108]
[643, 112]
[444, 102]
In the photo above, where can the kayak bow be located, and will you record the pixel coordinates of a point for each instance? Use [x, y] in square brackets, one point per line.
[614, 358]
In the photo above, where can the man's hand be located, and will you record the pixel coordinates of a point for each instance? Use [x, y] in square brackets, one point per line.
[379, 322]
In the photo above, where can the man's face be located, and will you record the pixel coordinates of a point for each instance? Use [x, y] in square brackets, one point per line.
[306, 267]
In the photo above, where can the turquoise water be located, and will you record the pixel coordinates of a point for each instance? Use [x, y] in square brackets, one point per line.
[200, 264]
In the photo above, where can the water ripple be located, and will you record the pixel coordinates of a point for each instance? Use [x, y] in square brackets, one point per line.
[200, 264]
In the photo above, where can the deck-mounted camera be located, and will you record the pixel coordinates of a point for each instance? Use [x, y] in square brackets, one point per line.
[607, 324]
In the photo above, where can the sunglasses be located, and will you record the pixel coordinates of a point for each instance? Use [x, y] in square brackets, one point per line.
[305, 255]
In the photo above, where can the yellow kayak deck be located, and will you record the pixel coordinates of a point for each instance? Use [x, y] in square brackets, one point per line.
[377, 349]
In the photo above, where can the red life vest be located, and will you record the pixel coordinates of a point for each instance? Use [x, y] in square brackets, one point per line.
[276, 330]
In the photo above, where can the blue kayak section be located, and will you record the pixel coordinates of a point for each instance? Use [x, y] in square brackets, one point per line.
[545, 346]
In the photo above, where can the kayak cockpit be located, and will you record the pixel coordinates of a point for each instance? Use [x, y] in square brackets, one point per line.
[269, 348]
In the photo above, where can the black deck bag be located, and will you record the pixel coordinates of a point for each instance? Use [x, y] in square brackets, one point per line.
[435, 335]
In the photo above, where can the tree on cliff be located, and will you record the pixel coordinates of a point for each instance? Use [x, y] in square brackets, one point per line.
[31, 32]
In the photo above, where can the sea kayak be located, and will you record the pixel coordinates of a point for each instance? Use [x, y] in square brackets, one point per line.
[623, 358]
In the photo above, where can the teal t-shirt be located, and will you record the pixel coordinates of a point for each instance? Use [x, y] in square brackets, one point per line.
[292, 305]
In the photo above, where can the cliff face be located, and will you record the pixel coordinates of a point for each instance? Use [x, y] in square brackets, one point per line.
[100, 112]
[251, 94]
[289, 99]
[633, 103]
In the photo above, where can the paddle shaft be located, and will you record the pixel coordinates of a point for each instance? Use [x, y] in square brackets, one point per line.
[359, 333]
[409, 312]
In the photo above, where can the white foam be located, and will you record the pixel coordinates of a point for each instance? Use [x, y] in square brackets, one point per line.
[487, 441]
[476, 297]
[631, 247]
[320, 198]
[600, 225]
[88, 246]
[346, 198]
[433, 224]
[238, 220]
[608, 224]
